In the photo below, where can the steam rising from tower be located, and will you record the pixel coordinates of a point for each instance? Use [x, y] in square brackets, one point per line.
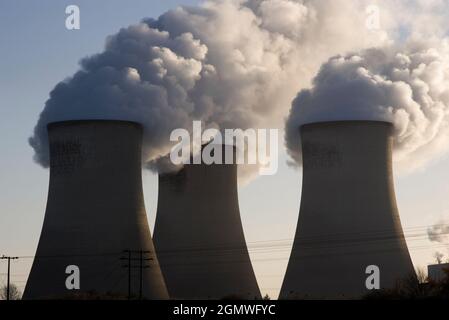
[95, 210]
[229, 64]
[406, 85]
[199, 236]
[348, 218]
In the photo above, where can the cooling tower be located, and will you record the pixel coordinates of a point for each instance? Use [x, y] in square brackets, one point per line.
[95, 210]
[348, 218]
[199, 235]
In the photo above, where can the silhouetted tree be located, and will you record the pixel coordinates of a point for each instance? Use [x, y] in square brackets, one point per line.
[414, 288]
[421, 275]
[14, 292]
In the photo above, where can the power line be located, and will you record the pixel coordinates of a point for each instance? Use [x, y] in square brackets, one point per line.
[217, 251]
[263, 249]
[328, 241]
[209, 262]
[269, 245]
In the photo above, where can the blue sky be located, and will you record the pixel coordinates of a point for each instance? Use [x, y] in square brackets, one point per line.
[37, 51]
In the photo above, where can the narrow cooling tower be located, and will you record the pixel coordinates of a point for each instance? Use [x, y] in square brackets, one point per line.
[348, 218]
[199, 236]
[95, 210]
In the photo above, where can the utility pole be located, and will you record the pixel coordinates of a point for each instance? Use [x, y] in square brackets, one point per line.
[141, 266]
[128, 258]
[141, 272]
[3, 257]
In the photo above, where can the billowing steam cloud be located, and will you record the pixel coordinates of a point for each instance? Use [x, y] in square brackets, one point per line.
[230, 64]
[408, 86]
[439, 233]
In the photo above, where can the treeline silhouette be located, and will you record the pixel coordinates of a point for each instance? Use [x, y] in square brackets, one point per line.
[415, 289]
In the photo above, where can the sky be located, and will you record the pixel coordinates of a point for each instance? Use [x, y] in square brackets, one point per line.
[37, 52]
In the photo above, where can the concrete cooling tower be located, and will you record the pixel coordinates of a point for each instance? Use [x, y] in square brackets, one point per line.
[348, 218]
[199, 236]
[95, 211]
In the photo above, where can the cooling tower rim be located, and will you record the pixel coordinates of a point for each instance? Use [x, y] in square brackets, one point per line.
[66, 123]
[344, 123]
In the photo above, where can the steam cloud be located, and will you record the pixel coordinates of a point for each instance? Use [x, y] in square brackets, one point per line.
[439, 233]
[407, 85]
[230, 64]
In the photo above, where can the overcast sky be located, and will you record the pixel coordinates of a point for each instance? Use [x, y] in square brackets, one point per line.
[38, 51]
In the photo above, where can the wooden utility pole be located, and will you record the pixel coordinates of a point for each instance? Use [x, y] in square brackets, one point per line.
[9, 273]
[141, 266]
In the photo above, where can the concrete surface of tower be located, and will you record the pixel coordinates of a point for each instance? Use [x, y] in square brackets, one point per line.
[95, 210]
[199, 235]
[348, 218]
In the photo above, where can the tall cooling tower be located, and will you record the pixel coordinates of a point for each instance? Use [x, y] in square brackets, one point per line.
[348, 218]
[199, 236]
[95, 210]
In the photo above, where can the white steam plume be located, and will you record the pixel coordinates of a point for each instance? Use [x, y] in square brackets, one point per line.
[406, 85]
[230, 64]
[439, 233]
